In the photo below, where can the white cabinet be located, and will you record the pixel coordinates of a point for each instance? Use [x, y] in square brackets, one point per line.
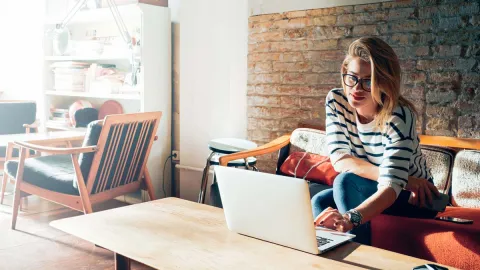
[150, 25]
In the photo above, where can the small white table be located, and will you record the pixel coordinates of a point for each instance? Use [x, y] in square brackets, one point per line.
[225, 146]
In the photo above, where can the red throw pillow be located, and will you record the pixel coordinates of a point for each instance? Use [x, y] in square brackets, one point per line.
[321, 169]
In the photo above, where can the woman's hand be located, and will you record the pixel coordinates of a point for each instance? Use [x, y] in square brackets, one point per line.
[332, 219]
[422, 191]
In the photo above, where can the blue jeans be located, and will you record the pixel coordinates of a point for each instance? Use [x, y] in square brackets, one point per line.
[350, 190]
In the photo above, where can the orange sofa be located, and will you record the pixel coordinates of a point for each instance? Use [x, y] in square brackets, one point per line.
[455, 171]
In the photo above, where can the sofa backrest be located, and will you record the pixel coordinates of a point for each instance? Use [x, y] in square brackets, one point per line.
[14, 114]
[454, 174]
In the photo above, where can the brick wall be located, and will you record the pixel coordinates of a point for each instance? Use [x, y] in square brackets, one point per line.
[294, 60]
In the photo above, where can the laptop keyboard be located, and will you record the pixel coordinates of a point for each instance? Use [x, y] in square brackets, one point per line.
[323, 241]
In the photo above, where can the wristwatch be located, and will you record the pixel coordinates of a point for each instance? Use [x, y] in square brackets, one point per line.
[355, 217]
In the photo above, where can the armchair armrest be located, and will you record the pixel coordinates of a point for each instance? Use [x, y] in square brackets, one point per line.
[270, 147]
[56, 150]
[34, 125]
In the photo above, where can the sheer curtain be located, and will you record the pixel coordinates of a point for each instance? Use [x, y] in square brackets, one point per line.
[21, 51]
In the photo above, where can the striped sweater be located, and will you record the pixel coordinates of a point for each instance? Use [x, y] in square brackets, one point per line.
[395, 150]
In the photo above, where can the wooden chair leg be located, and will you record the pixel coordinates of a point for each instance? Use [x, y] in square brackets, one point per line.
[8, 156]
[18, 182]
[87, 205]
[148, 183]
[4, 186]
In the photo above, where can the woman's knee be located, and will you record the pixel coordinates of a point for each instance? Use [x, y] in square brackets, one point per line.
[322, 200]
[344, 181]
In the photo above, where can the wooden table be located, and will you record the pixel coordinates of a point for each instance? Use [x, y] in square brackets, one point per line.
[43, 138]
[177, 234]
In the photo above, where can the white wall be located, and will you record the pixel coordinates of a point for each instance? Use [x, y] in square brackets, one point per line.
[213, 68]
[21, 49]
[257, 7]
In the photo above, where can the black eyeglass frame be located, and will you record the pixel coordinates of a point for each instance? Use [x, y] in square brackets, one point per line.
[357, 81]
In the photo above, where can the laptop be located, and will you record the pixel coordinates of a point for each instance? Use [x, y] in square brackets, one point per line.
[273, 208]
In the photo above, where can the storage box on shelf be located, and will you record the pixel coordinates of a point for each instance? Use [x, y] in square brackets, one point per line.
[96, 43]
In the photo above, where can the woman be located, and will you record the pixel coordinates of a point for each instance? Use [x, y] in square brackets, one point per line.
[373, 143]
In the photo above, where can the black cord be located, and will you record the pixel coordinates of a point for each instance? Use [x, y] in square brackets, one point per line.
[163, 176]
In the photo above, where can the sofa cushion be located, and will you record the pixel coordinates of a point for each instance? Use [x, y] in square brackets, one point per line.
[440, 162]
[54, 172]
[308, 140]
[466, 179]
[15, 152]
[457, 245]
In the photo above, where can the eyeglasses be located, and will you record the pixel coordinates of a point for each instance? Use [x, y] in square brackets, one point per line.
[352, 80]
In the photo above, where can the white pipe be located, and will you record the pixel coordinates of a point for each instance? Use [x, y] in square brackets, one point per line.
[189, 168]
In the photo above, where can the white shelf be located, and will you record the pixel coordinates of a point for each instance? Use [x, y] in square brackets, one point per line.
[93, 95]
[99, 15]
[86, 58]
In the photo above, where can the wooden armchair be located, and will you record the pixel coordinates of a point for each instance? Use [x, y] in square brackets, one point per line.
[111, 162]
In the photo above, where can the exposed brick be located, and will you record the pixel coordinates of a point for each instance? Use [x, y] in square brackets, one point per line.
[441, 77]
[294, 78]
[397, 4]
[447, 50]
[326, 66]
[322, 78]
[329, 32]
[292, 66]
[414, 78]
[325, 55]
[251, 90]
[346, 19]
[438, 123]
[266, 17]
[424, 39]
[368, 7]
[325, 20]
[312, 103]
[300, 90]
[473, 78]
[365, 30]
[441, 111]
[401, 14]
[343, 44]
[263, 124]
[329, 11]
[407, 65]
[422, 51]
[261, 57]
[289, 101]
[400, 39]
[266, 89]
[267, 36]
[413, 93]
[475, 20]
[296, 14]
[292, 23]
[264, 101]
[473, 50]
[441, 97]
[264, 78]
[292, 57]
[448, 133]
[370, 17]
[465, 122]
[410, 26]
[471, 8]
[288, 46]
[455, 37]
[447, 23]
[263, 67]
[259, 27]
[319, 45]
[259, 47]
[446, 64]
[295, 34]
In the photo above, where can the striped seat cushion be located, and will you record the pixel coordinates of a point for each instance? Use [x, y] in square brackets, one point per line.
[466, 179]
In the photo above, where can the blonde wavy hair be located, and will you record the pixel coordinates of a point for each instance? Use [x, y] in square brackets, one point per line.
[386, 75]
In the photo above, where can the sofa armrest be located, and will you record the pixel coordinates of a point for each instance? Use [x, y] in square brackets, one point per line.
[270, 147]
